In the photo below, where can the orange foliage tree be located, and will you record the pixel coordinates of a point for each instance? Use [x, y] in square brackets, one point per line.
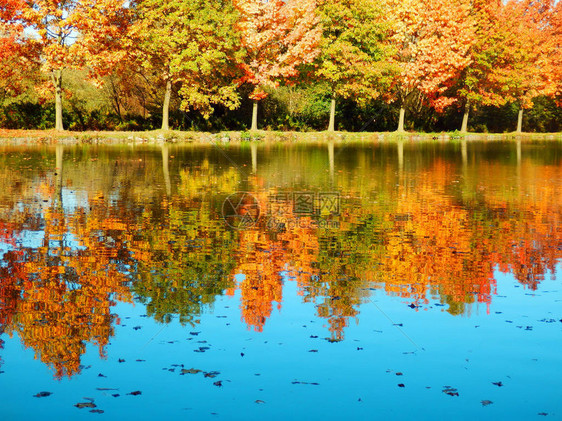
[432, 40]
[277, 37]
[61, 44]
[527, 69]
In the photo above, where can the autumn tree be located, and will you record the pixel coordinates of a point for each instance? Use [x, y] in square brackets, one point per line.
[191, 45]
[13, 47]
[556, 58]
[353, 59]
[277, 37]
[432, 40]
[62, 46]
[530, 44]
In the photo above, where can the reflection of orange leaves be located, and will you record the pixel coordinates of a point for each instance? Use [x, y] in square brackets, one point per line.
[261, 261]
[431, 246]
[67, 292]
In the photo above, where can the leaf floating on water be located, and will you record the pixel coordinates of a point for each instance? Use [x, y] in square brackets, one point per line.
[486, 402]
[212, 374]
[499, 384]
[42, 395]
[81, 405]
[451, 391]
[135, 393]
[97, 411]
[190, 371]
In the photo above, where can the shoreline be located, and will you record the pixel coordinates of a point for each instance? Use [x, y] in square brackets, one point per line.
[45, 137]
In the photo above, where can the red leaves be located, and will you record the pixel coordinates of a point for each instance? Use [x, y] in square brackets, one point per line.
[277, 37]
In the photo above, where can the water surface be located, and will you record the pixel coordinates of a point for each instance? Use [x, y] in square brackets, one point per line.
[310, 281]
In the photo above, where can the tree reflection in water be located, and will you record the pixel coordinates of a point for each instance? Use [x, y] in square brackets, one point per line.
[429, 228]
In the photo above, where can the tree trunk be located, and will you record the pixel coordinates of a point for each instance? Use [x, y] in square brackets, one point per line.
[166, 107]
[401, 119]
[255, 116]
[331, 125]
[464, 127]
[57, 81]
[520, 120]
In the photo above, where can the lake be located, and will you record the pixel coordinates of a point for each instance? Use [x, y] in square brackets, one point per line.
[318, 281]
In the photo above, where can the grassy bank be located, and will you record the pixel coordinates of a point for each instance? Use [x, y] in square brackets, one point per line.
[172, 136]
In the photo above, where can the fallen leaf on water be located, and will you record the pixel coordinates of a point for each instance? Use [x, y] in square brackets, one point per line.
[190, 371]
[81, 405]
[42, 395]
[451, 391]
[212, 374]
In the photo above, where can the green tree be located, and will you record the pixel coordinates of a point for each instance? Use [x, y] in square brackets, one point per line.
[190, 44]
[353, 61]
